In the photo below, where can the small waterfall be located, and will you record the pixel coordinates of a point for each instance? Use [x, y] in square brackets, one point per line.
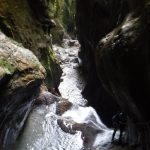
[85, 115]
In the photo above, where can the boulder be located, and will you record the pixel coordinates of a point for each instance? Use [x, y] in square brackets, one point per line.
[21, 75]
[22, 21]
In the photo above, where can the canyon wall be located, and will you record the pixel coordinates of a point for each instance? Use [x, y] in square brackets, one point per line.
[114, 38]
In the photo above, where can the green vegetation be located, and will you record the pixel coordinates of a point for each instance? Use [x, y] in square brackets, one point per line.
[64, 16]
[69, 17]
[23, 22]
[8, 67]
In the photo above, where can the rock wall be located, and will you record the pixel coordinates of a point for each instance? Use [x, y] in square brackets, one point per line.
[21, 75]
[22, 71]
[29, 22]
[65, 21]
[120, 60]
[94, 19]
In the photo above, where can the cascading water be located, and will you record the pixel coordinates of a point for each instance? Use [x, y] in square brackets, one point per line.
[77, 128]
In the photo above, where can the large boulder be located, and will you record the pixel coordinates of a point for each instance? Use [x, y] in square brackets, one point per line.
[29, 22]
[21, 75]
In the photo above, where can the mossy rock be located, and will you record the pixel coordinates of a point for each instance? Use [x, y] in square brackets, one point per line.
[22, 21]
[7, 66]
[19, 63]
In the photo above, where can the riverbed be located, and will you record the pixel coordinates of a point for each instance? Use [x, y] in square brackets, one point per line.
[78, 126]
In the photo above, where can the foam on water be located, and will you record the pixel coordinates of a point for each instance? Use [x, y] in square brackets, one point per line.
[43, 133]
[84, 115]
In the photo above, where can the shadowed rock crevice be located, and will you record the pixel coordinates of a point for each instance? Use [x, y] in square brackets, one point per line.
[94, 19]
[120, 59]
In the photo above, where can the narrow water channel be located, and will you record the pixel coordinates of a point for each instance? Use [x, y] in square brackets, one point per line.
[77, 128]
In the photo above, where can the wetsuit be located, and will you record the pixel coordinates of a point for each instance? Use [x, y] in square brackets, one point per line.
[119, 123]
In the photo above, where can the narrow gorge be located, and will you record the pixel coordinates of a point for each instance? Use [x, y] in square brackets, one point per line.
[67, 68]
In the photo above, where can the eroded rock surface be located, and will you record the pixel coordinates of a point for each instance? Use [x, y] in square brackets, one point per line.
[30, 23]
[94, 19]
[20, 79]
[123, 66]
[120, 66]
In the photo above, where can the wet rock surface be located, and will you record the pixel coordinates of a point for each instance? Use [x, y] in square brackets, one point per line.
[117, 66]
[20, 79]
[63, 106]
[124, 53]
[22, 21]
[46, 98]
[95, 19]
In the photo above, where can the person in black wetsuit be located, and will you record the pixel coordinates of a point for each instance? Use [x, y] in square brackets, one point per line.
[119, 121]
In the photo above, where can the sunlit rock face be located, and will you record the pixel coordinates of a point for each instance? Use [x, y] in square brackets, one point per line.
[29, 22]
[21, 75]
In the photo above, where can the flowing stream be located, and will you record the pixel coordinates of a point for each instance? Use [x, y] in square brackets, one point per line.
[77, 128]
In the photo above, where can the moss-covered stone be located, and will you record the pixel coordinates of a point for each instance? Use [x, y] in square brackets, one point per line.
[7, 66]
[65, 20]
[19, 63]
[69, 17]
[22, 21]
[21, 75]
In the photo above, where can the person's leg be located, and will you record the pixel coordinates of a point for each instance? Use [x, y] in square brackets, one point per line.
[120, 136]
[113, 136]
